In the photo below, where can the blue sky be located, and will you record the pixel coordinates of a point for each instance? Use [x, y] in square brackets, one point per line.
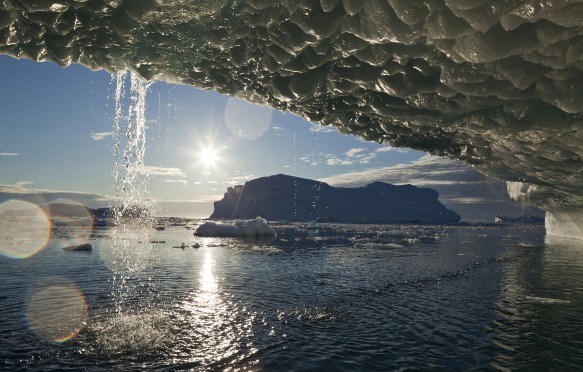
[56, 124]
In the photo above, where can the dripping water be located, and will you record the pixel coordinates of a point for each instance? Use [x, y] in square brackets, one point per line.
[133, 210]
[295, 181]
[317, 159]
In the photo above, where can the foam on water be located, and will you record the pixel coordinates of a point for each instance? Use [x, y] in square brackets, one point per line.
[132, 333]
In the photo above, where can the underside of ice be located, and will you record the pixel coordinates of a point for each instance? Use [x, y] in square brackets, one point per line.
[282, 197]
[496, 83]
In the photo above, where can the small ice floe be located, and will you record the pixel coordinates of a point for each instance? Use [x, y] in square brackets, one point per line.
[85, 247]
[394, 234]
[267, 250]
[312, 225]
[238, 228]
[413, 240]
[379, 246]
[547, 301]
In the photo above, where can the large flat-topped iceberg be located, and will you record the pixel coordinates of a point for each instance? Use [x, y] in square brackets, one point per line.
[496, 83]
[282, 197]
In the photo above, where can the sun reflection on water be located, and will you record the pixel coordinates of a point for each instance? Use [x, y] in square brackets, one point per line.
[222, 330]
[208, 282]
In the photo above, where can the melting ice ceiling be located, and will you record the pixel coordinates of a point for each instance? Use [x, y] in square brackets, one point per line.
[496, 83]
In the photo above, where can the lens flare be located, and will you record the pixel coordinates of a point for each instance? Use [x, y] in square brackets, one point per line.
[72, 222]
[56, 311]
[24, 229]
[245, 120]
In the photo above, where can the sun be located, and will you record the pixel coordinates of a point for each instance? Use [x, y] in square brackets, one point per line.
[208, 156]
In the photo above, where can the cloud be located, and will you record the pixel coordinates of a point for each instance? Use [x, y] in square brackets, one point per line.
[182, 182]
[354, 152]
[208, 198]
[316, 128]
[387, 148]
[357, 155]
[333, 160]
[98, 136]
[241, 179]
[42, 196]
[162, 171]
[428, 170]
[9, 154]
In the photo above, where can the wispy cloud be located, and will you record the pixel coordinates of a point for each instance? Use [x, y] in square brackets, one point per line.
[354, 152]
[42, 196]
[208, 198]
[9, 154]
[428, 170]
[99, 136]
[387, 148]
[333, 160]
[310, 160]
[358, 155]
[162, 171]
[241, 179]
[181, 182]
[23, 183]
[316, 128]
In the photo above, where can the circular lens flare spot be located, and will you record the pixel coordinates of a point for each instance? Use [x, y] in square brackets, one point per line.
[57, 312]
[72, 222]
[246, 120]
[24, 229]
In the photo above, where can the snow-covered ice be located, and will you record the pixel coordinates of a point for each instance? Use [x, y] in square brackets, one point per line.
[238, 228]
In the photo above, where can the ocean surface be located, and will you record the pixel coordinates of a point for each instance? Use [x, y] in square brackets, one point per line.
[340, 297]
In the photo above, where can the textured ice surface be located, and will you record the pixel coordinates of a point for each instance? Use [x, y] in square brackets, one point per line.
[282, 197]
[496, 83]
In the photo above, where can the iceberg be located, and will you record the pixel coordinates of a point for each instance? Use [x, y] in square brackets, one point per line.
[286, 198]
[497, 84]
[256, 227]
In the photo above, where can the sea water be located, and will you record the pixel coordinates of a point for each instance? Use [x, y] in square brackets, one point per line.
[341, 297]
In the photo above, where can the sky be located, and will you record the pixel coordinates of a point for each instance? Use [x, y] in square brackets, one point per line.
[56, 141]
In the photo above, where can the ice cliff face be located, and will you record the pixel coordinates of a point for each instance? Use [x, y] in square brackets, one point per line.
[282, 197]
[496, 83]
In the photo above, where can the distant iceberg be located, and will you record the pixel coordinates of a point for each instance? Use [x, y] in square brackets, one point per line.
[282, 197]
